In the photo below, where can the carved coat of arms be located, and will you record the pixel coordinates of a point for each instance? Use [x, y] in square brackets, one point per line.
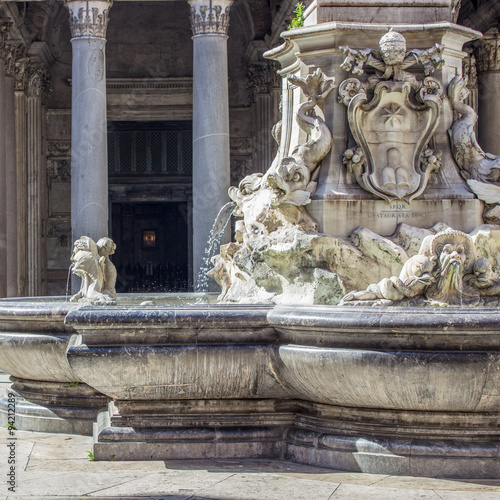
[392, 117]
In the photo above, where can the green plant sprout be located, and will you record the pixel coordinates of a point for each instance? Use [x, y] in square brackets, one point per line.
[90, 453]
[298, 20]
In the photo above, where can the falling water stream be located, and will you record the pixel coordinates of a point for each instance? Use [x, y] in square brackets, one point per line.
[67, 282]
[215, 236]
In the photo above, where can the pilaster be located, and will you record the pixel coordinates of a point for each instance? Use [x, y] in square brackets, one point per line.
[15, 51]
[487, 52]
[264, 87]
[211, 173]
[37, 92]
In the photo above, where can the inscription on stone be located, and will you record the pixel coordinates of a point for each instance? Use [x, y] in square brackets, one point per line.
[397, 211]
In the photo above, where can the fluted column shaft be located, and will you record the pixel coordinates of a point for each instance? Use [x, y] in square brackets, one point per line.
[211, 173]
[89, 172]
[10, 186]
[488, 69]
[3, 175]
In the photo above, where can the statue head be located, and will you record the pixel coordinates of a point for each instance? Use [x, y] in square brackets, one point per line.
[106, 246]
[453, 252]
[393, 48]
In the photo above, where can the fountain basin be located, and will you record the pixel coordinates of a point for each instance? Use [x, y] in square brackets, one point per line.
[393, 358]
[382, 390]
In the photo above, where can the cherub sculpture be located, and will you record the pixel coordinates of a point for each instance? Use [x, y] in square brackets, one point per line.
[90, 261]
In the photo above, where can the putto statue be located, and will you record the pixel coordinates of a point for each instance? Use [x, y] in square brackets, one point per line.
[90, 261]
[445, 272]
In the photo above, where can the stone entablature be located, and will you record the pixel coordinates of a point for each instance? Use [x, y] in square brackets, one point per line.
[88, 18]
[208, 17]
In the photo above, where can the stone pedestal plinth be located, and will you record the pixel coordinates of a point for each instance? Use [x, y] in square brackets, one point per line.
[387, 11]
[342, 201]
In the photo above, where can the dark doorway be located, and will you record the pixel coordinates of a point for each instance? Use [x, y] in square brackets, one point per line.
[152, 242]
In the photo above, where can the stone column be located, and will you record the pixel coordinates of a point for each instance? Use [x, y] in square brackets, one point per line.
[89, 157]
[488, 69]
[211, 174]
[36, 94]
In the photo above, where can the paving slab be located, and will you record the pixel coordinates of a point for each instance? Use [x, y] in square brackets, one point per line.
[57, 466]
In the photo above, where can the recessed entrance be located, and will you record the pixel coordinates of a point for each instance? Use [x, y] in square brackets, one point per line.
[151, 254]
[149, 166]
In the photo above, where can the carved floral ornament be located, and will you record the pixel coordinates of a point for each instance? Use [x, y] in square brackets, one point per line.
[487, 51]
[88, 18]
[387, 109]
[39, 84]
[208, 17]
[5, 25]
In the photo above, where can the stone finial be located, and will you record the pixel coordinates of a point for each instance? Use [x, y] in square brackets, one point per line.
[208, 17]
[88, 18]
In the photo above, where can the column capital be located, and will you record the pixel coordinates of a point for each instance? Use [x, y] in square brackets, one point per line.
[88, 18]
[210, 16]
[262, 78]
[39, 82]
[488, 53]
[16, 62]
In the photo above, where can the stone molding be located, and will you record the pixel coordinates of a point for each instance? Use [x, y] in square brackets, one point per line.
[88, 18]
[488, 53]
[210, 18]
[39, 83]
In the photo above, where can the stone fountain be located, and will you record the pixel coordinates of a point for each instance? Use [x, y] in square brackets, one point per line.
[358, 324]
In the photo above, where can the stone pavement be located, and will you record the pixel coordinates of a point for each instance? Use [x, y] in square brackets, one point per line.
[57, 466]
